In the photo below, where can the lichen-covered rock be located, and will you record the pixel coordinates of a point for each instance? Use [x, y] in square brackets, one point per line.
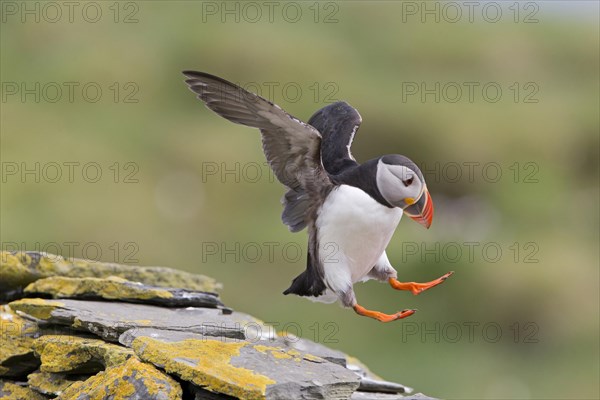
[193, 392]
[381, 386]
[40, 309]
[109, 319]
[11, 391]
[215, 353]
[16, 338]
[52, 384]
[116, 288]
[369, 382]
[241, 368]
[317, 349]
[133, 380]
[20, 268]
[74, 354]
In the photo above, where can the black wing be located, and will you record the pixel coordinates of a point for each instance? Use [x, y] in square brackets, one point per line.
[292, 147]
[337, 123]
[293, 151]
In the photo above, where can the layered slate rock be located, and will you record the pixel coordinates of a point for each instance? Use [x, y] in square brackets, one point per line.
[116, 288]
[16, 340]
[241, 368]
[388, 396]
[74, 354]
[105, 336]
[52, 384]
[20, 268]
[194, 392]
[109, 319]
[382, 386]
[317, 349]
[369, 382]
[132, 380]
[12, 391]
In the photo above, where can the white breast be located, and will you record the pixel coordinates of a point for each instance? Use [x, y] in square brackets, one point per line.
[353, 232]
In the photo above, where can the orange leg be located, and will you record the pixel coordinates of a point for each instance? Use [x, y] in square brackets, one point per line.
[360, 310]
[417, 288]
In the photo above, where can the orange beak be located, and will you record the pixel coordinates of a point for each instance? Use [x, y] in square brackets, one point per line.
[422, 210]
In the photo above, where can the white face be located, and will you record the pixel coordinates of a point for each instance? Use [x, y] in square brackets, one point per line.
[399, 185]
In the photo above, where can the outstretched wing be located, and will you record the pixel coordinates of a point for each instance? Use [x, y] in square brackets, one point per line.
[292, 147]
[337, 123]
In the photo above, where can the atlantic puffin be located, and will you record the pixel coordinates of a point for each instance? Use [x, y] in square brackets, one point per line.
[351, 210]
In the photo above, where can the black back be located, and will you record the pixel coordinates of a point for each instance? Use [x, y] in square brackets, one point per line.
[337, 123]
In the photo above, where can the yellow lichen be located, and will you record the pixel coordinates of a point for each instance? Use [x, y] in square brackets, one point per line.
[18, 269]
[13, 326]
[278, 352]
[37, 308]
[117, 383]
[9, 349]
[63, 353]
[56, 284]
[310, 357]
[49, 382]
[110, 288]
[163, 294]
[274, 351]
[206, 363]
[10, 391]
[16, 338]
[12, 271]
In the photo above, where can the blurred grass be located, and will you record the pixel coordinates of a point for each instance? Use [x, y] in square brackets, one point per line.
[171, 213]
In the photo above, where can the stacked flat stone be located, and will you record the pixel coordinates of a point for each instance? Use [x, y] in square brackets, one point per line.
[75, 330]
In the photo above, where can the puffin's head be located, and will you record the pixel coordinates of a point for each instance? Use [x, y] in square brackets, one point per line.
[401, 184]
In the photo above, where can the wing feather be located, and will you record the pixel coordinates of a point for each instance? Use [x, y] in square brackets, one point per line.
[292, 147]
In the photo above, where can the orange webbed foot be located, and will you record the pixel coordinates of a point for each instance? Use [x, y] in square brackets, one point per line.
[360, 310]
[415, 287]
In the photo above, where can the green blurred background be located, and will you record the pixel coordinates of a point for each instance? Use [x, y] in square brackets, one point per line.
[168, 208]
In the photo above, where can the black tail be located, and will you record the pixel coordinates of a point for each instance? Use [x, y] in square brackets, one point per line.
[308, 283]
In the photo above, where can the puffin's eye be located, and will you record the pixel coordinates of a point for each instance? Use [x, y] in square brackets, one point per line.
[408, 182]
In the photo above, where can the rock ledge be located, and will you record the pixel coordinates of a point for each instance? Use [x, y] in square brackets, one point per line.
[76, 330]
